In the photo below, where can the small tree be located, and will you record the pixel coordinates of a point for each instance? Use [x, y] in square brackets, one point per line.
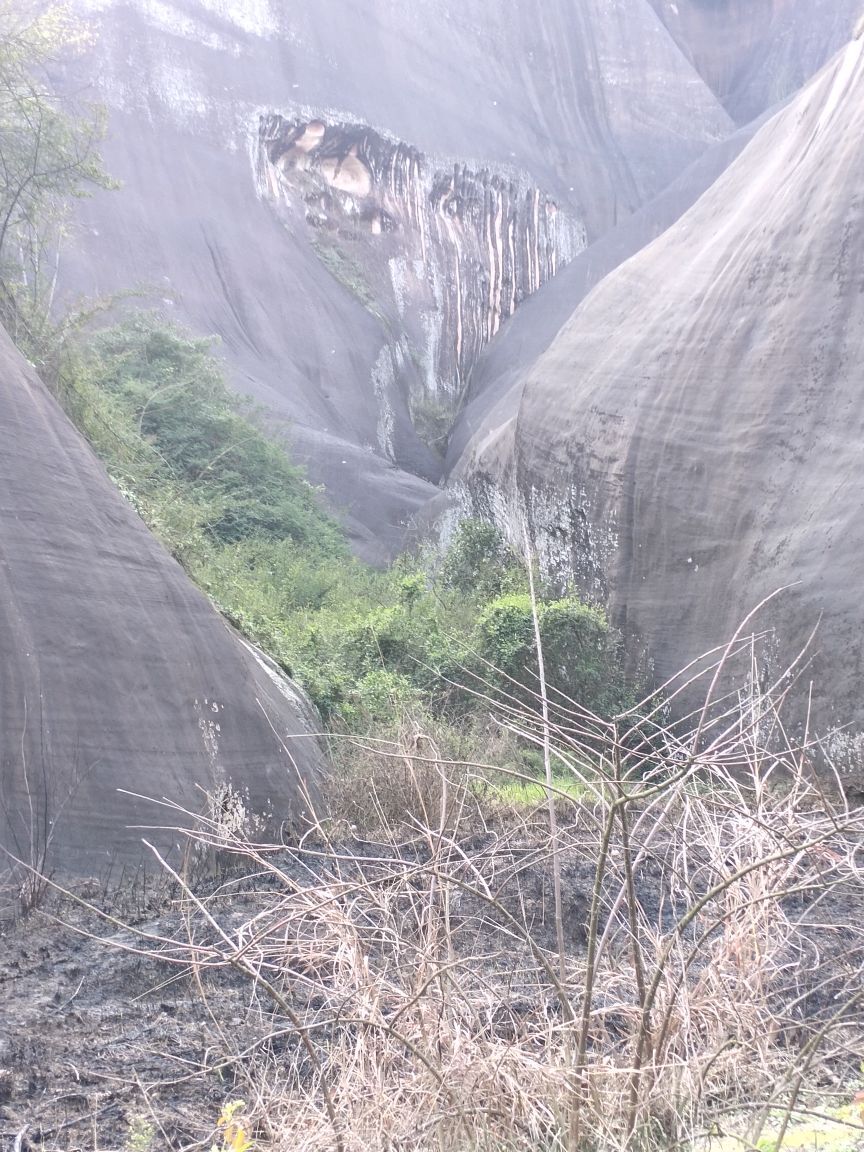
[48, 154]
[580, 649]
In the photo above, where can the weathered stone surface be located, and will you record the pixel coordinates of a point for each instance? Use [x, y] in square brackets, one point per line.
[691, 441]
[592, 104]
[755, 53]
[496, 382]
[115, 673]
[442, 256]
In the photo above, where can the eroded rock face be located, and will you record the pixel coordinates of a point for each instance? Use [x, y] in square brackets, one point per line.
[495, 387]
[691, 440]
[115, 672]
[445, 255]
[590, 107]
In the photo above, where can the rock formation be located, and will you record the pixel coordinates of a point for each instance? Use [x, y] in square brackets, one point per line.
[756, 53]
[442, 256]
[691, 440]
[589, 107]
[359, 199]
[116, 672]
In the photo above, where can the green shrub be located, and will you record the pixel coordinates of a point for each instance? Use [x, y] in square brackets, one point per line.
[479, 561]
[505, 628]
[249, 529]
[580, 651]
[171, 391]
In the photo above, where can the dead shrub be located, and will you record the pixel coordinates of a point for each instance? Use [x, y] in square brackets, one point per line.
[427, 989]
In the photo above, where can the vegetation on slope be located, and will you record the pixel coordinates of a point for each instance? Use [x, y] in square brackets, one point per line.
[250, 530]
[224, 497]
[692, 981]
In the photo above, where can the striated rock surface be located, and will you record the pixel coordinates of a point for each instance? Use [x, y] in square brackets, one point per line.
[691, 440]
[590, 107]
[115, 673]
[443, 255]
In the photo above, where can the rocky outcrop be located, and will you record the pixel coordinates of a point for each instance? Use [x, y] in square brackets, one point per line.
[495, 388]
[756, 53]
[691, 440]
[592, 105]
[115, 672]
[444, 254]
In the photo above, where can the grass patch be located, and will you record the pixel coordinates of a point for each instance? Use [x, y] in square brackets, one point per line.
[834, 1129]
[525, 794]
[344, 268]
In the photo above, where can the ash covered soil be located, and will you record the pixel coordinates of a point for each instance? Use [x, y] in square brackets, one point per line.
[95, 1039]
[89, 1034]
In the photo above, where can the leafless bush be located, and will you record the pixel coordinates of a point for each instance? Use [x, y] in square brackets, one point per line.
[384, 783]
[408, 994]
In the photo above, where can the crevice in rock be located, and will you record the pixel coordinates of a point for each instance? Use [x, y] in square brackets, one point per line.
[442, 253]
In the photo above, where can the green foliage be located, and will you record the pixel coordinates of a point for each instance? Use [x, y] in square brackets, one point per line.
[580, 652]
[167, 392]
[141, 1135]
[432, 419]
[346, 269]
[506, 632]
[48, 154]
[367, 645]
[478, 560]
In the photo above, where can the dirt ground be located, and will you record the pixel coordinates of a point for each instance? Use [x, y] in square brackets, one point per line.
[95, 1039]
[100, 1042]
[89, 1034]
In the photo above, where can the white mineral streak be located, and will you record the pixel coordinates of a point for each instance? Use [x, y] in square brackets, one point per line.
[210, 731]
[569, 544]
[472, 244]
[399, 281]
[384, 375]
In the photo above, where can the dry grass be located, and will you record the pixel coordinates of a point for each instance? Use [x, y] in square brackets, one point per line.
[404, 992]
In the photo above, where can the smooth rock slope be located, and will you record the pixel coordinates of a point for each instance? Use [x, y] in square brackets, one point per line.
[115, 672]
[588, 108]
[691, 441]
[755, 53]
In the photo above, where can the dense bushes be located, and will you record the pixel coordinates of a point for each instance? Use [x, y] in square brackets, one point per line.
[171, 392]
[424, 635]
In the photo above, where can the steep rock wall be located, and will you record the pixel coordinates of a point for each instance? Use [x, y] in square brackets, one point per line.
[691, 440]
[755, 53]
[446, 254]
[115, 672]
[592, 103]
[495, 388]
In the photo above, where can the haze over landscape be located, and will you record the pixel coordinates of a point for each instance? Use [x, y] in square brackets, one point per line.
[394, 399]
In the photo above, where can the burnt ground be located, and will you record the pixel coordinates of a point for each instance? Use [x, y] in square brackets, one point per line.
[96, 1039]
[88, 1033]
